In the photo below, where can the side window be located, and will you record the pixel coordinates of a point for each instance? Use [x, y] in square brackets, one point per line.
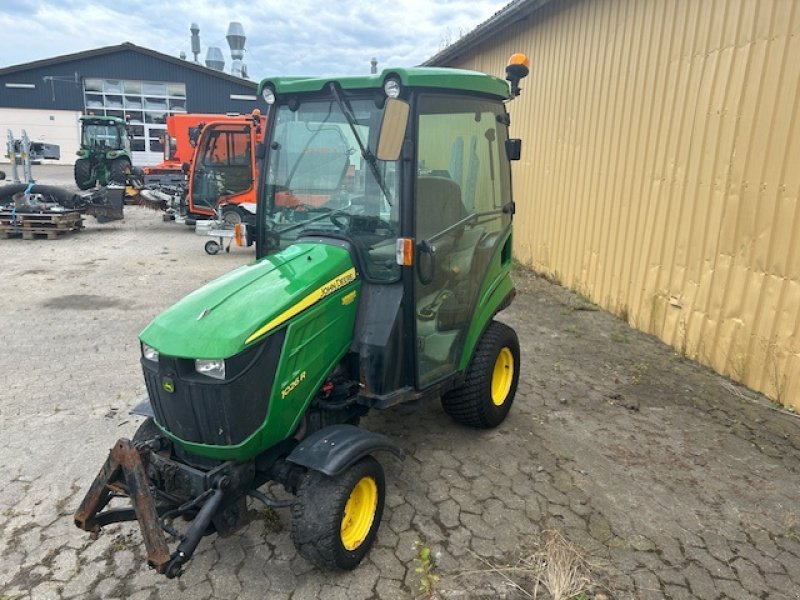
[463, 140]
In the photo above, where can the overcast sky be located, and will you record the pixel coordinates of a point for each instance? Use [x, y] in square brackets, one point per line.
[284, 37]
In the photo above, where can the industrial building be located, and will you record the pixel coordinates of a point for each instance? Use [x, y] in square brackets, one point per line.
[659, 171]
[46, 97]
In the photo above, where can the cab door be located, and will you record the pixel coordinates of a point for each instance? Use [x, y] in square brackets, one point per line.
[222, 166]
[462, 194]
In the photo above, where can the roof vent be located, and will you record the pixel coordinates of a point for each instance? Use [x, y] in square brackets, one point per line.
[214, 59]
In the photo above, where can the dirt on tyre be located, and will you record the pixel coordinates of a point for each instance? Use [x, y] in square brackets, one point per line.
[491, 380]
[119, 171]
[335, 519]
[83, 171]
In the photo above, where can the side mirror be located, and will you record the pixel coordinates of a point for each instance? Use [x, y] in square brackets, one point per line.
[514, 148]
[393, 129]
[194, 134]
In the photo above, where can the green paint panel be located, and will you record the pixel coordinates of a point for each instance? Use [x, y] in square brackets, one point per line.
[316, 340]
[497, 284]
[215, 320]
[454, 79]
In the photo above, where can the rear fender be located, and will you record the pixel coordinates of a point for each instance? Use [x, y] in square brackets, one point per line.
[333, 449]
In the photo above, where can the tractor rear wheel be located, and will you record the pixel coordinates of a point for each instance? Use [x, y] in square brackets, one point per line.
[335, 519]
[491, 382]
[83, 174]
[119, 171]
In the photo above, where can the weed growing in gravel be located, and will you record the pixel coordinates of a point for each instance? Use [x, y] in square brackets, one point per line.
[556, 565]
[426, 568]
[639, 371]
[272, 522]
[619, 337]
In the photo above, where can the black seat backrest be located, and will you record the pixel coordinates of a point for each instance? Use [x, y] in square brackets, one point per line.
[439, 205]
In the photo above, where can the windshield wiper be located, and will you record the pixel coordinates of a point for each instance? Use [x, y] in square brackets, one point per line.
[365, 153]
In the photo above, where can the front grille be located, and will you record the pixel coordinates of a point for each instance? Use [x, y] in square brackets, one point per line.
[206, 411]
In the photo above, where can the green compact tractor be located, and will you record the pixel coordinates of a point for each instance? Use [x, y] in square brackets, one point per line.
[105, 152]
[384, 240]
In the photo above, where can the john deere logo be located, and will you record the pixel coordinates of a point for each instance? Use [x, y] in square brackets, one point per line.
[168, 385]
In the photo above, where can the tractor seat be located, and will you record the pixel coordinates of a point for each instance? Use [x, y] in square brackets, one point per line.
[439, 205]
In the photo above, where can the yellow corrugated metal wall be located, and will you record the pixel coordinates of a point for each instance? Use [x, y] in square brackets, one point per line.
[660, 174]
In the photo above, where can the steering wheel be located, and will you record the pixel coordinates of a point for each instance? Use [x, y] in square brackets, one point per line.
[341, 220]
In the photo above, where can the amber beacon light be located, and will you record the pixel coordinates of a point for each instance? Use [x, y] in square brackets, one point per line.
[516, 69]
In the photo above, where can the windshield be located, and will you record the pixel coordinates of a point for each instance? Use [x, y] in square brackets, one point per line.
[319, 181]
[101, 135]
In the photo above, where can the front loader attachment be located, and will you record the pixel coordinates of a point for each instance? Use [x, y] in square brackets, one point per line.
[124, 474]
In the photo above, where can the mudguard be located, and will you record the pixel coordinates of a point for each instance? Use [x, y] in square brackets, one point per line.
[332, 449]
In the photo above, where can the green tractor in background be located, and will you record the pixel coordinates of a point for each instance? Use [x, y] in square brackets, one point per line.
[105, 153]
[384, 244]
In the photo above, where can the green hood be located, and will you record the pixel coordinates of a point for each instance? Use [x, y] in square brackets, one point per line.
[223, 317]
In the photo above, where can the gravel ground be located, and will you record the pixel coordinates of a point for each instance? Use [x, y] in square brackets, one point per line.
[668, 480]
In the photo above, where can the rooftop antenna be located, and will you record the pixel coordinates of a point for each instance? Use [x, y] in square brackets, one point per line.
[183, 55]
[373, 65]
[236, 39]
[195, 40]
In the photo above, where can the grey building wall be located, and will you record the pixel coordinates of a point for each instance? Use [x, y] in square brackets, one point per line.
[206, 91]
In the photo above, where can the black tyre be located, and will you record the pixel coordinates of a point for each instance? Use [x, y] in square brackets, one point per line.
[335, 519]
[147, 431]
[232, 215]
[119, 171]
[83, 174]
[491, 381]
[212, 247]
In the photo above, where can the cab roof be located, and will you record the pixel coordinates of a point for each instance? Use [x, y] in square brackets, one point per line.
[429, 77]
[102, 119]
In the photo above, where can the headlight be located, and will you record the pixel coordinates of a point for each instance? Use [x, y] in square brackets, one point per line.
[149, 353]
[269, 95]
[392, 88]
[213, 368]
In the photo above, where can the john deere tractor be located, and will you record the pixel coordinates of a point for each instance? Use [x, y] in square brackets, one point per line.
[105, 152]
[384, 243]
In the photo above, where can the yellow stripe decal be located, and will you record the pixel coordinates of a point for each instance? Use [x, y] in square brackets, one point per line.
[325, 290]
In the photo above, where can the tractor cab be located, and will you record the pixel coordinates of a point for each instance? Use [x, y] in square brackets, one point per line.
[224, 169]
[107, 133]
[409, 171]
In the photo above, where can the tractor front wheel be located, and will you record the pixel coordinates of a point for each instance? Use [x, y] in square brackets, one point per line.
[83, 174]
[335, 519]
[119, 171]
[491, 381]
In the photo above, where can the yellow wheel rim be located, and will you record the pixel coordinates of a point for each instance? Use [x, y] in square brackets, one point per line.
[359, 513]
[502, 376]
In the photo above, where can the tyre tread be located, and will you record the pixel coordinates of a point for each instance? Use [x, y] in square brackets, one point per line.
[316, 516]
[467, 404]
